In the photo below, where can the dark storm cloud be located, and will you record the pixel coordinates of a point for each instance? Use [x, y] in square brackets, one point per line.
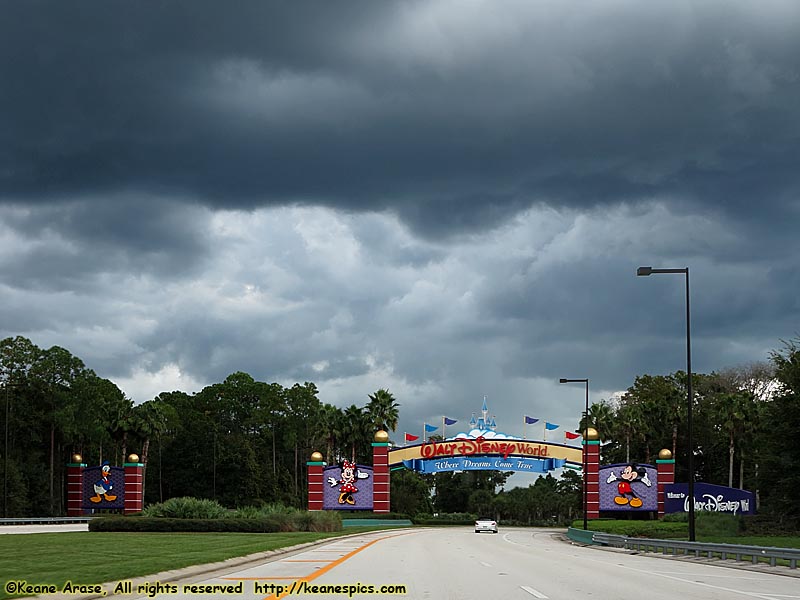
[454, 116]
[446, 198]
[69, 244]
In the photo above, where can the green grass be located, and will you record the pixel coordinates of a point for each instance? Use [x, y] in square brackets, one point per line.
[782, 541]
[665, 530]
[97, 557]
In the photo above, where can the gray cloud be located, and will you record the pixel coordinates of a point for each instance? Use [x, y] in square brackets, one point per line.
[456, 117]
[446, 199]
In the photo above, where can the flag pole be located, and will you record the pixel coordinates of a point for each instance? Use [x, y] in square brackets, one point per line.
[444, 434]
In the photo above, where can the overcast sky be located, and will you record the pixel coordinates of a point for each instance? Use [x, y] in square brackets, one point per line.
[448, 199]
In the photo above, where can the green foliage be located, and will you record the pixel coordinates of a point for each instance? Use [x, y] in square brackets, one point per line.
[186, 508]
[779, 474]
[248, 520]
[410, 492]
[446, 519]
[646, 529]
[710, 524]
[166, 524]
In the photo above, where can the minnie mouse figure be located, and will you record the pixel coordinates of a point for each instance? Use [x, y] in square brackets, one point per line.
[349, 475]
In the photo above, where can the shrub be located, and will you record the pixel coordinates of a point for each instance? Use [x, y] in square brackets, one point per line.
[715, 524]
[326, 520]
[677, 517]
[186, 508]
[167, 524]
[636, 528]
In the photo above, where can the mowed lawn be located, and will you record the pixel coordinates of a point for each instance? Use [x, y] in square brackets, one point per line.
[98, 557]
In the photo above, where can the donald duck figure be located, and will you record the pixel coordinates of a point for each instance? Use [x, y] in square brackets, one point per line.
[103, 486]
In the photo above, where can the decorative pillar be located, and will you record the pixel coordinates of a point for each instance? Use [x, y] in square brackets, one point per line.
[75, 486]
[380, 473]
[591, 473]
[315, 483]
[134, 478]
[665, 466]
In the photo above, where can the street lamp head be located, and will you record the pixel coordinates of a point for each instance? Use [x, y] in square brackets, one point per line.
[562, 380]
[644, 271]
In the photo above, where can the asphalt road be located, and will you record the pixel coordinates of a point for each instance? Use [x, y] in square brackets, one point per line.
[455, 563]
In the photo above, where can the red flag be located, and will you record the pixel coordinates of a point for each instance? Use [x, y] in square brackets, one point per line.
[411, 438]
[572, 436]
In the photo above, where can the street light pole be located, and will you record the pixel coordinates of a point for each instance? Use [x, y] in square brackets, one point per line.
[5, 462]
[5, 455]
[645, 272]
[585, 428]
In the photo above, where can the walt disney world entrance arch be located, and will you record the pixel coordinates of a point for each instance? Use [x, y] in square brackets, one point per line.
[360, 487]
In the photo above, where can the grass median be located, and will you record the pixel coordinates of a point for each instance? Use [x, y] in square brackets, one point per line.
[98, 557]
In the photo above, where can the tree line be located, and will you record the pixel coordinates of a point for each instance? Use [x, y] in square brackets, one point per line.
[241, 442]
[246, 442]
[745, 422]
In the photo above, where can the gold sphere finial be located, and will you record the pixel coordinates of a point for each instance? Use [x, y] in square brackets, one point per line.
[591, 434]
[77, 458]
[381, 436]
[316, 457]
[133, 458]
[665, 454]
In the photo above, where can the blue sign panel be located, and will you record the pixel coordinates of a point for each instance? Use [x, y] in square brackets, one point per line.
[484, 463]
[708, 497]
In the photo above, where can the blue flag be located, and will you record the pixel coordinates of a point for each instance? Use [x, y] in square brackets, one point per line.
[450, 421]
[550, 426]
[429, 428]
[530, 420]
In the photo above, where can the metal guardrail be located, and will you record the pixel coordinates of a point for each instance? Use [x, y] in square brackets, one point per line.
[737, 552]
[43, 520]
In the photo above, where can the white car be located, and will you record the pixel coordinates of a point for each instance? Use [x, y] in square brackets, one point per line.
[485, 524]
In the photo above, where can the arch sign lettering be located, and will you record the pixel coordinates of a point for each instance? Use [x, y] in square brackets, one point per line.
[467, 453]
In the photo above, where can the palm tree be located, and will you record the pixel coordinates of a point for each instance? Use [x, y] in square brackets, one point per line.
[733, 409]
[601, 417]
[330, 422]
[627, 424]
[150, 420]
[382, 410]
[353, 421]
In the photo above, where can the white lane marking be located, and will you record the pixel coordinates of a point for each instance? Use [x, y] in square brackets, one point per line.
[723, 576]
[485, 564]
[533, 592]
[764, 595]
[505, 537]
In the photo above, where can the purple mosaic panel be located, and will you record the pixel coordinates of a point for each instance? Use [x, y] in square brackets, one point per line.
[362, 499]
[92, 476]
[619, 493]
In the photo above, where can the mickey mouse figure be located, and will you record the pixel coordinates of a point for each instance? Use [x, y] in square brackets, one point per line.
[632, 473]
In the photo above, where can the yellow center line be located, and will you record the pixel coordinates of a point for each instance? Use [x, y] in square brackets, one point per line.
[335, 563]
